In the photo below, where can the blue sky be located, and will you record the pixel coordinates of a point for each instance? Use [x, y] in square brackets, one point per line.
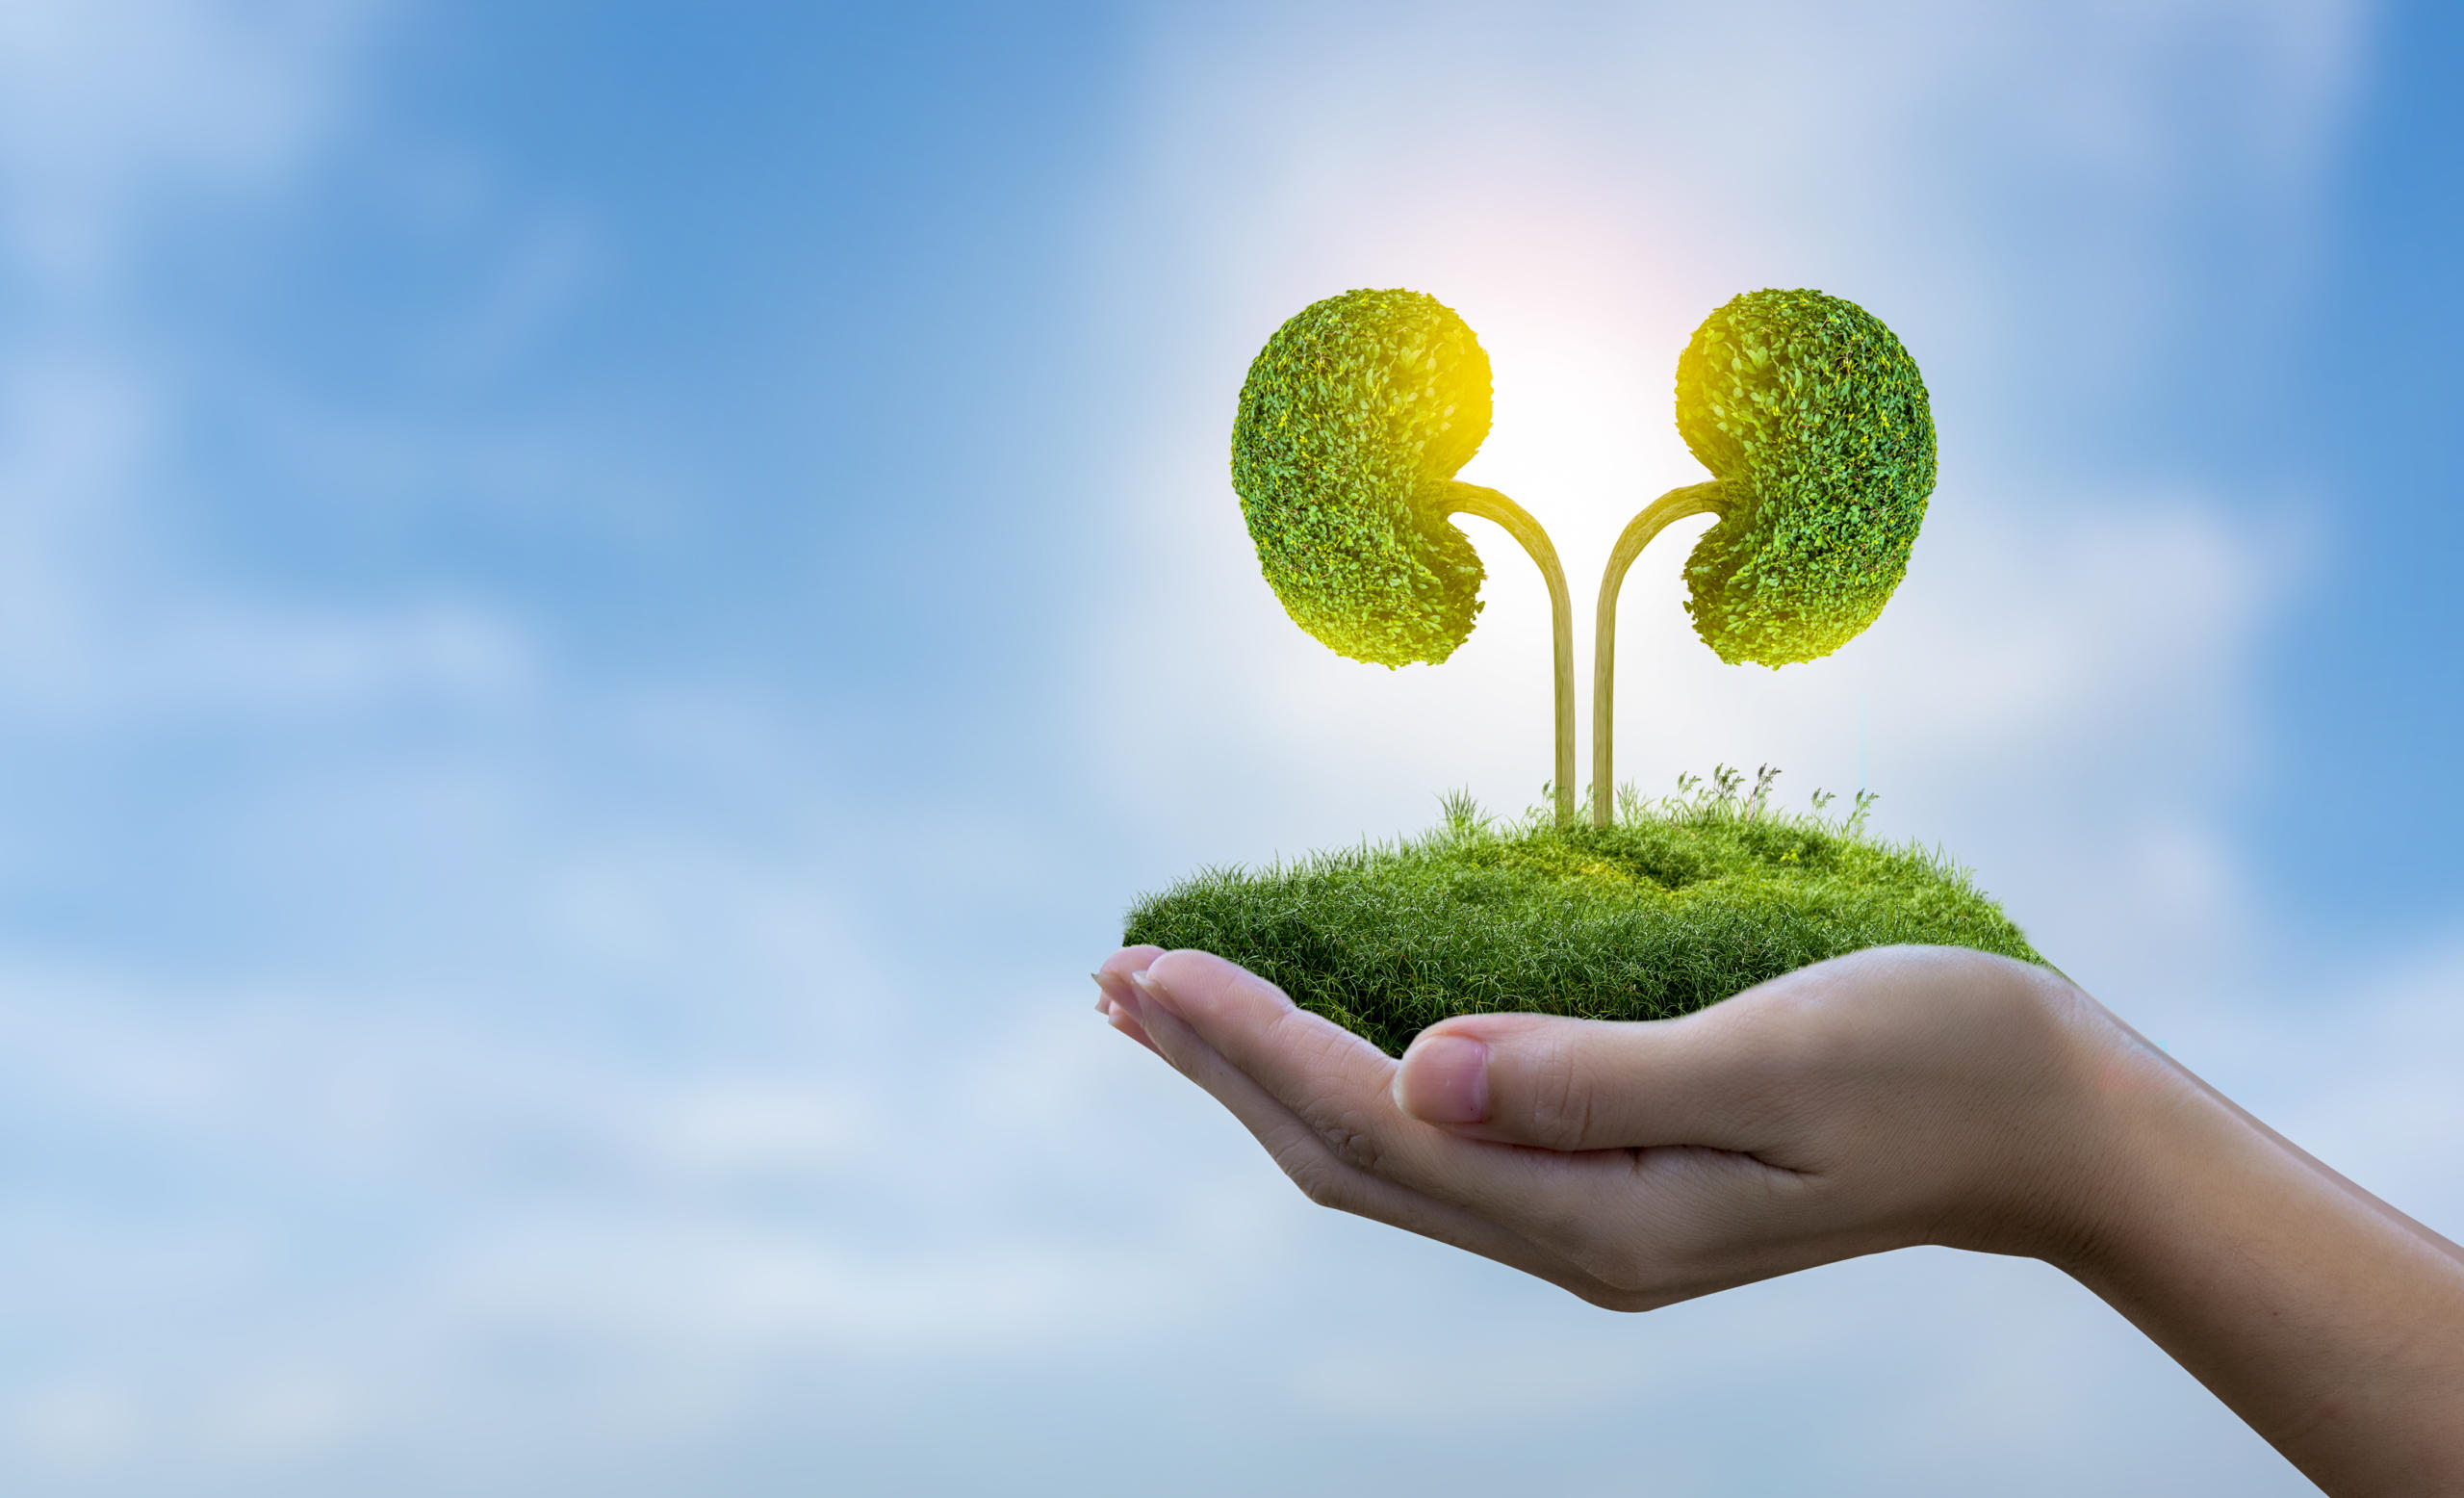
[601, 607]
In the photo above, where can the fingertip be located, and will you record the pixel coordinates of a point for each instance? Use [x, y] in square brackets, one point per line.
[1127, 960]
[1166, 970]
[1191, 980]
[1444, 1079]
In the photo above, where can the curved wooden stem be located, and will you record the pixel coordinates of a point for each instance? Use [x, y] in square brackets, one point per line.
[1468, 499]
[1701, 498]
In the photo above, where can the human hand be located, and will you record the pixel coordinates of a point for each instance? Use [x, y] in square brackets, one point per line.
[1893, 1097]
[1889, 1098]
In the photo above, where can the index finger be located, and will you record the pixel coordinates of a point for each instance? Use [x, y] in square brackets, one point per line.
[1343, 1086]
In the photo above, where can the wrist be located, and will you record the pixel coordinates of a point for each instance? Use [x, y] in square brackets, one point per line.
[2065, 1137]
[2165, 1159]
[2134, 1117]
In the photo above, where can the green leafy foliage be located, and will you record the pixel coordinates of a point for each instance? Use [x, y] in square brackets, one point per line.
[1679, 905]
[1352, 414]
[1816, 420]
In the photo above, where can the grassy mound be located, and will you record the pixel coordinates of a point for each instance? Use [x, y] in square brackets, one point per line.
[1681, 904]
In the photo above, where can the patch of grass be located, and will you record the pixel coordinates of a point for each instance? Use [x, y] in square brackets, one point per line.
[1682, 903]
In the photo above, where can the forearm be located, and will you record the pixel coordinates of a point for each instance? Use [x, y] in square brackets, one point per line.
[2329, 1321]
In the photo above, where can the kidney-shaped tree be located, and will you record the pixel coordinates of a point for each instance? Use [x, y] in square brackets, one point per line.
[1814, 425]
[1353, 421]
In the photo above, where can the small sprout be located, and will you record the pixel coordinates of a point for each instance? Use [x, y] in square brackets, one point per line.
[1865, 800]
[1545, 812]
[1822, 799]
[1463, 815]
[1762, 779]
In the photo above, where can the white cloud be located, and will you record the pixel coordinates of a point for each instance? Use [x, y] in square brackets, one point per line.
[102, 623]
[74, 1425]
[112, 116]
[283, 1414]
[114, 109]
[378, 1200]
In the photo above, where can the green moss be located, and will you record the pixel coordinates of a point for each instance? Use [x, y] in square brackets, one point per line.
[1354, 407]
[1810, 412]
[1672, 908]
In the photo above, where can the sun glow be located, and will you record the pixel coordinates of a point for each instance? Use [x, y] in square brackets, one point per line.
[1584, 438]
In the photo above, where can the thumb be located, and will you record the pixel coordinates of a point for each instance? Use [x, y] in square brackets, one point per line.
[1590, 1084]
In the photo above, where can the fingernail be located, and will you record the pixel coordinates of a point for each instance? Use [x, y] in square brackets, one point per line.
[1121, 992]
[1117, 992]
[1444, 1080]
[1149, 990]
[1103, 994]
